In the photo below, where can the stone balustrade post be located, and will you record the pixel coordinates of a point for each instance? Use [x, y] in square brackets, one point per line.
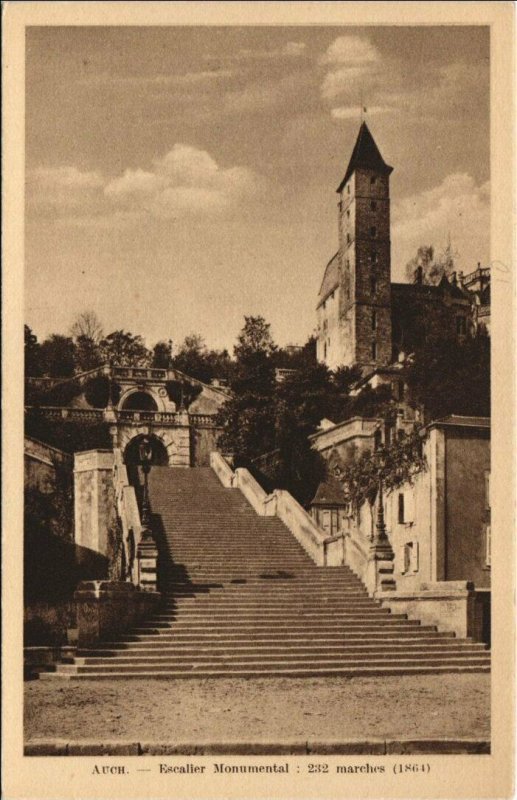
[380, 566]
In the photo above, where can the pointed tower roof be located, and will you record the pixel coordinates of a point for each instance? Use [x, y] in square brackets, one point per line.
[365, 155]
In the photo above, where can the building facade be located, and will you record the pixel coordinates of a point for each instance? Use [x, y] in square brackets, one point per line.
[362, 317]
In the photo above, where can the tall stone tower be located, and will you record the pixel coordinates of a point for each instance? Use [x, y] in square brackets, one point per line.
[354, 308]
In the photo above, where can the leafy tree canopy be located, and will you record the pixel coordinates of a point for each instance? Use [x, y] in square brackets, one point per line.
[122, 348]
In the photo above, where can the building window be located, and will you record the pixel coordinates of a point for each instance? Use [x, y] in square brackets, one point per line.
[374, 319]
[373, 232]
[340, 205]
[348, 263]
[409, 557]
[348, 214]
[377, 439]
[348, 188]
[488, 546]
[373, 285]
[325, 350]
[374, 351]
[487, 490]
[373, 180]
[374, 256]
[348, 238]
[401, 508]
[373, 205]
[461, 326]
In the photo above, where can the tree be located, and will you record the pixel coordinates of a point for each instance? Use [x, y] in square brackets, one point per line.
[248, 416]
[162, 355]
[32, 352]
[88, 325]
[123, 349]
[296, 358]
[451, 377]
[433, 269]
[87, 354]
[58, 356]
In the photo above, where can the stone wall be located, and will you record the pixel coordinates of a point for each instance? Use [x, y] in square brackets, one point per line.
[467, 506]
[94, 499]
[40, 460]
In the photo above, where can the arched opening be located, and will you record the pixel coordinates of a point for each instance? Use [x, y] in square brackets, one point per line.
[132, 452]
[140, 401]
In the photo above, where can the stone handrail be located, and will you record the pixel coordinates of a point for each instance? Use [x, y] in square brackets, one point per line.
[311, 537]
[252, 491]
[324, 550]
[356, 556]
[222, 469]
[140, 548]
[128, 514]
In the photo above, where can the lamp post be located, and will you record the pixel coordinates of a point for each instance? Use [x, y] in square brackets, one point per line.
[145, 449]
[380, 545]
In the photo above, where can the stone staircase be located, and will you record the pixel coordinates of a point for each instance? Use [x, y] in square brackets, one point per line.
[243, 599]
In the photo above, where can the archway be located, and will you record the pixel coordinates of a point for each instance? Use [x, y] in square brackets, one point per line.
[132, 452]
[140, 401]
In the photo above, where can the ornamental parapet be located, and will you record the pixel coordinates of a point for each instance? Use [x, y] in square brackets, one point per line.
[126, 416]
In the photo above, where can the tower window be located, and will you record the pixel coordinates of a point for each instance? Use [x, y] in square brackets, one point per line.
[325, 350]
[348, 189]
[348, 214]
[373, 285]
[374, 351]
[401, 509]
[374, 319]
[348, 263]
[348, 238]
[340, 205]
[373, 205]
[373, 231]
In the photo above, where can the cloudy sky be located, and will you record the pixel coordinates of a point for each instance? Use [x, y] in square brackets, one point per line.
[179, 178]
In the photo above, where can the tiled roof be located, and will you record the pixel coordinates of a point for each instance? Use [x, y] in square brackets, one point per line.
[330, 279]
[462, 422]
[329, 492]
[365, 155]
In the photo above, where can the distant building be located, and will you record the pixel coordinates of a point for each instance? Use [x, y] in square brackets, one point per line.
[363, 318]
[438, 525]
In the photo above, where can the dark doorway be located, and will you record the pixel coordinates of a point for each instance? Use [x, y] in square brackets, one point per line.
[140, 401]
[132, 453]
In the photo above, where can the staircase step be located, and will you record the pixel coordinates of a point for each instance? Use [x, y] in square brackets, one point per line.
[242, 598]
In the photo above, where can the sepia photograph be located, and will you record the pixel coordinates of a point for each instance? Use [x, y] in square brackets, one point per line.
[257, 399]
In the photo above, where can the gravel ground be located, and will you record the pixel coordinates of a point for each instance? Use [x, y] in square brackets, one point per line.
[271, 709]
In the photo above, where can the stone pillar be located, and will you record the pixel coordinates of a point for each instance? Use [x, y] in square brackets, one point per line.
[180, 457]
[380, 567]
[94, 498]
[147, 561]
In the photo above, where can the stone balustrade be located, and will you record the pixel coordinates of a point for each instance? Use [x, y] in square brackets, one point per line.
[324, 550]
[126, 416]
[140, 548]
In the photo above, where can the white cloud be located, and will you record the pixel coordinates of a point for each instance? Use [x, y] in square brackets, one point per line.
[287, 50]
[351, 62]
[160, 81]
[354, 112]
[457, 207]
[59, 189]
[294, 49]
[185, 181]
[350, 50]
